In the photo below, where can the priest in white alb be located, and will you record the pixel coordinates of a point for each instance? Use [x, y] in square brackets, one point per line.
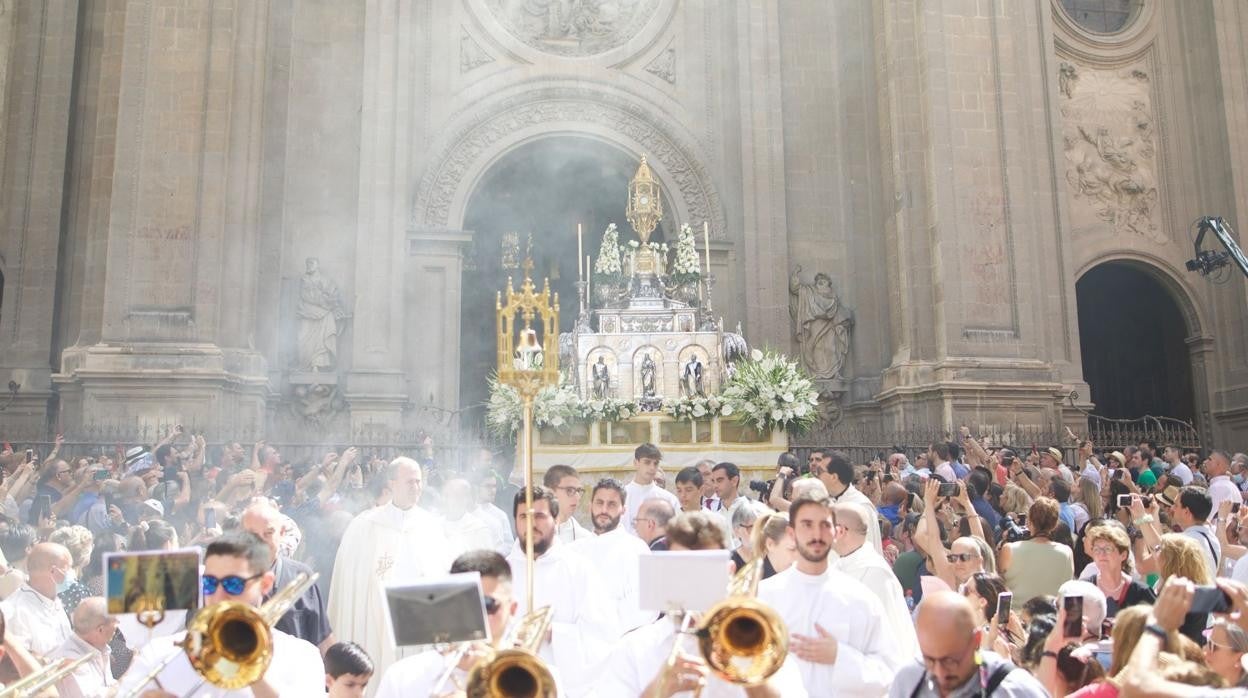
[585, 623]
[616, 551]
[386, 545]
[858, 559]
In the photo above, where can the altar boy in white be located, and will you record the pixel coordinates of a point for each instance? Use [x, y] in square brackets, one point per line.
[585, 622]
[645, 466]
[834, 622]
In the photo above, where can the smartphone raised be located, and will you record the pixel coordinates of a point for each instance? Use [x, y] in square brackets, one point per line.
[100, 474]
[1209, 599]
[947, 489]
[1073, 627]
[30, 455]
[210, 518]
[43, 505]
[1004, 601]
[1124, 500]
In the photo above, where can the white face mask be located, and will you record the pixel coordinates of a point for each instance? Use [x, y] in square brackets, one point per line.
[67, 582]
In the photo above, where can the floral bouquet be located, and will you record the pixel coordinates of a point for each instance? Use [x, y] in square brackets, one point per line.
[687, 267]
[609, 265]
[553, 406]
[697, 407]
[771, 392]
[608, 410]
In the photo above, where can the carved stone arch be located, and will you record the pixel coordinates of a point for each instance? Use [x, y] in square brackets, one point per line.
[496, 126]
[1169, 277]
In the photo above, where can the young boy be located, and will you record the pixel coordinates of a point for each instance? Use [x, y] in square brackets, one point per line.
[347, 670]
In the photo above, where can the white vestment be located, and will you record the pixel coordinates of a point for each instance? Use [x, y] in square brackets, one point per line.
[296, 670]
[384, 545]
[637, 658]
[867, 657]
[852, 495]
[617, 554]
[500, 526]
[585, 623]
[638, 493]
[466, 533]
[571, 531]
[870, 568]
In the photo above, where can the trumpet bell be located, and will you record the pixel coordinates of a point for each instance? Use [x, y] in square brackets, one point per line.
[230, 645]
[513, 673]
[743, 641]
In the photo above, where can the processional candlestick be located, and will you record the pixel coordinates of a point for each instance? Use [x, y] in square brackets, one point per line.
[527, 367]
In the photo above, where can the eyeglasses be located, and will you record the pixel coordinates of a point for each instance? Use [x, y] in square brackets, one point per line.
[1104, 550]
[233, 584]
[491, 604]
[961, 557]
[641, 520]
[578, 491]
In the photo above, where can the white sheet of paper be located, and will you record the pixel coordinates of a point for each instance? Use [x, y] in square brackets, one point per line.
[690, 580]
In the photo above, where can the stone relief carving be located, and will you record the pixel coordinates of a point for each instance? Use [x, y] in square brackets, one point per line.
[664, 64]
[573, 27]
[1066, 79]
[471, 55]
[1109, 144]
[685, 172]
[821, 325]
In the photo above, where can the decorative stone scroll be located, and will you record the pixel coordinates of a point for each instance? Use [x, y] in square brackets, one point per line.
[573, 28]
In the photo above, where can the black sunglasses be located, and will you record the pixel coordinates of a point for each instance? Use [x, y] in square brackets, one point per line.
[491, 604]
[233, 584]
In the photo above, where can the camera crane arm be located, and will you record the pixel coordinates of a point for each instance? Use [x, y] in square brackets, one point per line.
[1206, 261]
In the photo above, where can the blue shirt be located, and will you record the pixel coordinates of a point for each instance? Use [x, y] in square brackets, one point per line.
[986, 512]
[1067, 515]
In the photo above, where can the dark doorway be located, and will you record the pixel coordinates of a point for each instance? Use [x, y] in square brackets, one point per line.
[1132, 335]
[543, 188]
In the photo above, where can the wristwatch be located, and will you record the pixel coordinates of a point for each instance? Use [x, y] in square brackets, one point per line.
[1156, 630]
[1147, 518]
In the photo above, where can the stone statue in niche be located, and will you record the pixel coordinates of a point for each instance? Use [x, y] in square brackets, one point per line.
[602, 379]
[821, 325]
[691, 378]
[320, 313]
[647, 377]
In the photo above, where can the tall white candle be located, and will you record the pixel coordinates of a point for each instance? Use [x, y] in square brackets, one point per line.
[588, 280]
[706, 244]
[580, 268]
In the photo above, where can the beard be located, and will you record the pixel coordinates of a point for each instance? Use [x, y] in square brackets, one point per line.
[604, 523]
[541, 543]
[813, 555]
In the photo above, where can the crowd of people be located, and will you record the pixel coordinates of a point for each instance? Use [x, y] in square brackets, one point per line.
[963, 570]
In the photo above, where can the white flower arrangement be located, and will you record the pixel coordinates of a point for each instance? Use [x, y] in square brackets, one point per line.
[609, 263]
[608, 410]
[771, 392]
[553, 407]
[687, 267]
[697, 407]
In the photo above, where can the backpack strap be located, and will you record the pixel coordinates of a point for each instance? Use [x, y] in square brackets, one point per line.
[997, 677]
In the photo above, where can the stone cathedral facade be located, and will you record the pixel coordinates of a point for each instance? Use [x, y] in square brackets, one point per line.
[957, 168]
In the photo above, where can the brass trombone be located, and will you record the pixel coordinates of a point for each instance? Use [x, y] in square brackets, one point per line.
[37, 681]
[742, 640]
[230, 644]
[512, 669]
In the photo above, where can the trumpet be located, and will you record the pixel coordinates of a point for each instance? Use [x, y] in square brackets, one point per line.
[230, 644]
[46, 676]
[514, 669]
[742, 640]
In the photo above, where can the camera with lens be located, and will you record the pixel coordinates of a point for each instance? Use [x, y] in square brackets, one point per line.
[761, 487]
[1011, 531]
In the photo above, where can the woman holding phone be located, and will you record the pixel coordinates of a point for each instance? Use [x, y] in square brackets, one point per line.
[991, 600]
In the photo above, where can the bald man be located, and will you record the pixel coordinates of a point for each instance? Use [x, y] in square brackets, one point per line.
[307, 618]
[389, 545]
[93, 628]
[463, 530]
[859, 560]
[34, 616]
[948, 639]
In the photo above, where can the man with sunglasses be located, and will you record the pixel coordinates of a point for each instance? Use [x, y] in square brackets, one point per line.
[952, 663]
[236, 568]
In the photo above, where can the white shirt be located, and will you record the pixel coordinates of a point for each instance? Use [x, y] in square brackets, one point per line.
[1207, 541]
[867, 656]
[637, 658]
[1183, 473]
[90, 680]
[1221, 489]
[499, 523]
[584, 624]
[468, 532]
[870, 568]
[571, 531]
[945, 471]
[619, 551]
[40, 622]
[296, 670]
[635, 494]
[1090, 472]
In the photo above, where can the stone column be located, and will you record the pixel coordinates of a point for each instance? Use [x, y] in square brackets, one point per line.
[375, 383]
[168, 322]
[983, 317]
[433, 273]
[37, 49]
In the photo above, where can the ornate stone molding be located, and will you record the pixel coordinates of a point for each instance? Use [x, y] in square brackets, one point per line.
[486, 132]
[664, 64]
[570, 27]
[471, 55]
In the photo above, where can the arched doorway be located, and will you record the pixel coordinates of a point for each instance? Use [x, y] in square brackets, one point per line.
[1132, 332]
[543, 188]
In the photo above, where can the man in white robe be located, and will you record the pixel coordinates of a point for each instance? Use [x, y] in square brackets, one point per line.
[461, 530]
[565, 482]
[638, 662]
[497, 519]
[398, 543]
[860, 561]
[835, 628]
[837, 474]
[585, 621]
[646, 459]
[615, 549]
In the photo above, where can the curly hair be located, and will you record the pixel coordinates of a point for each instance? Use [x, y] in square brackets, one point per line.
[1043, 516]
[1015, 500]
[1182, 556]
[78, 540]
